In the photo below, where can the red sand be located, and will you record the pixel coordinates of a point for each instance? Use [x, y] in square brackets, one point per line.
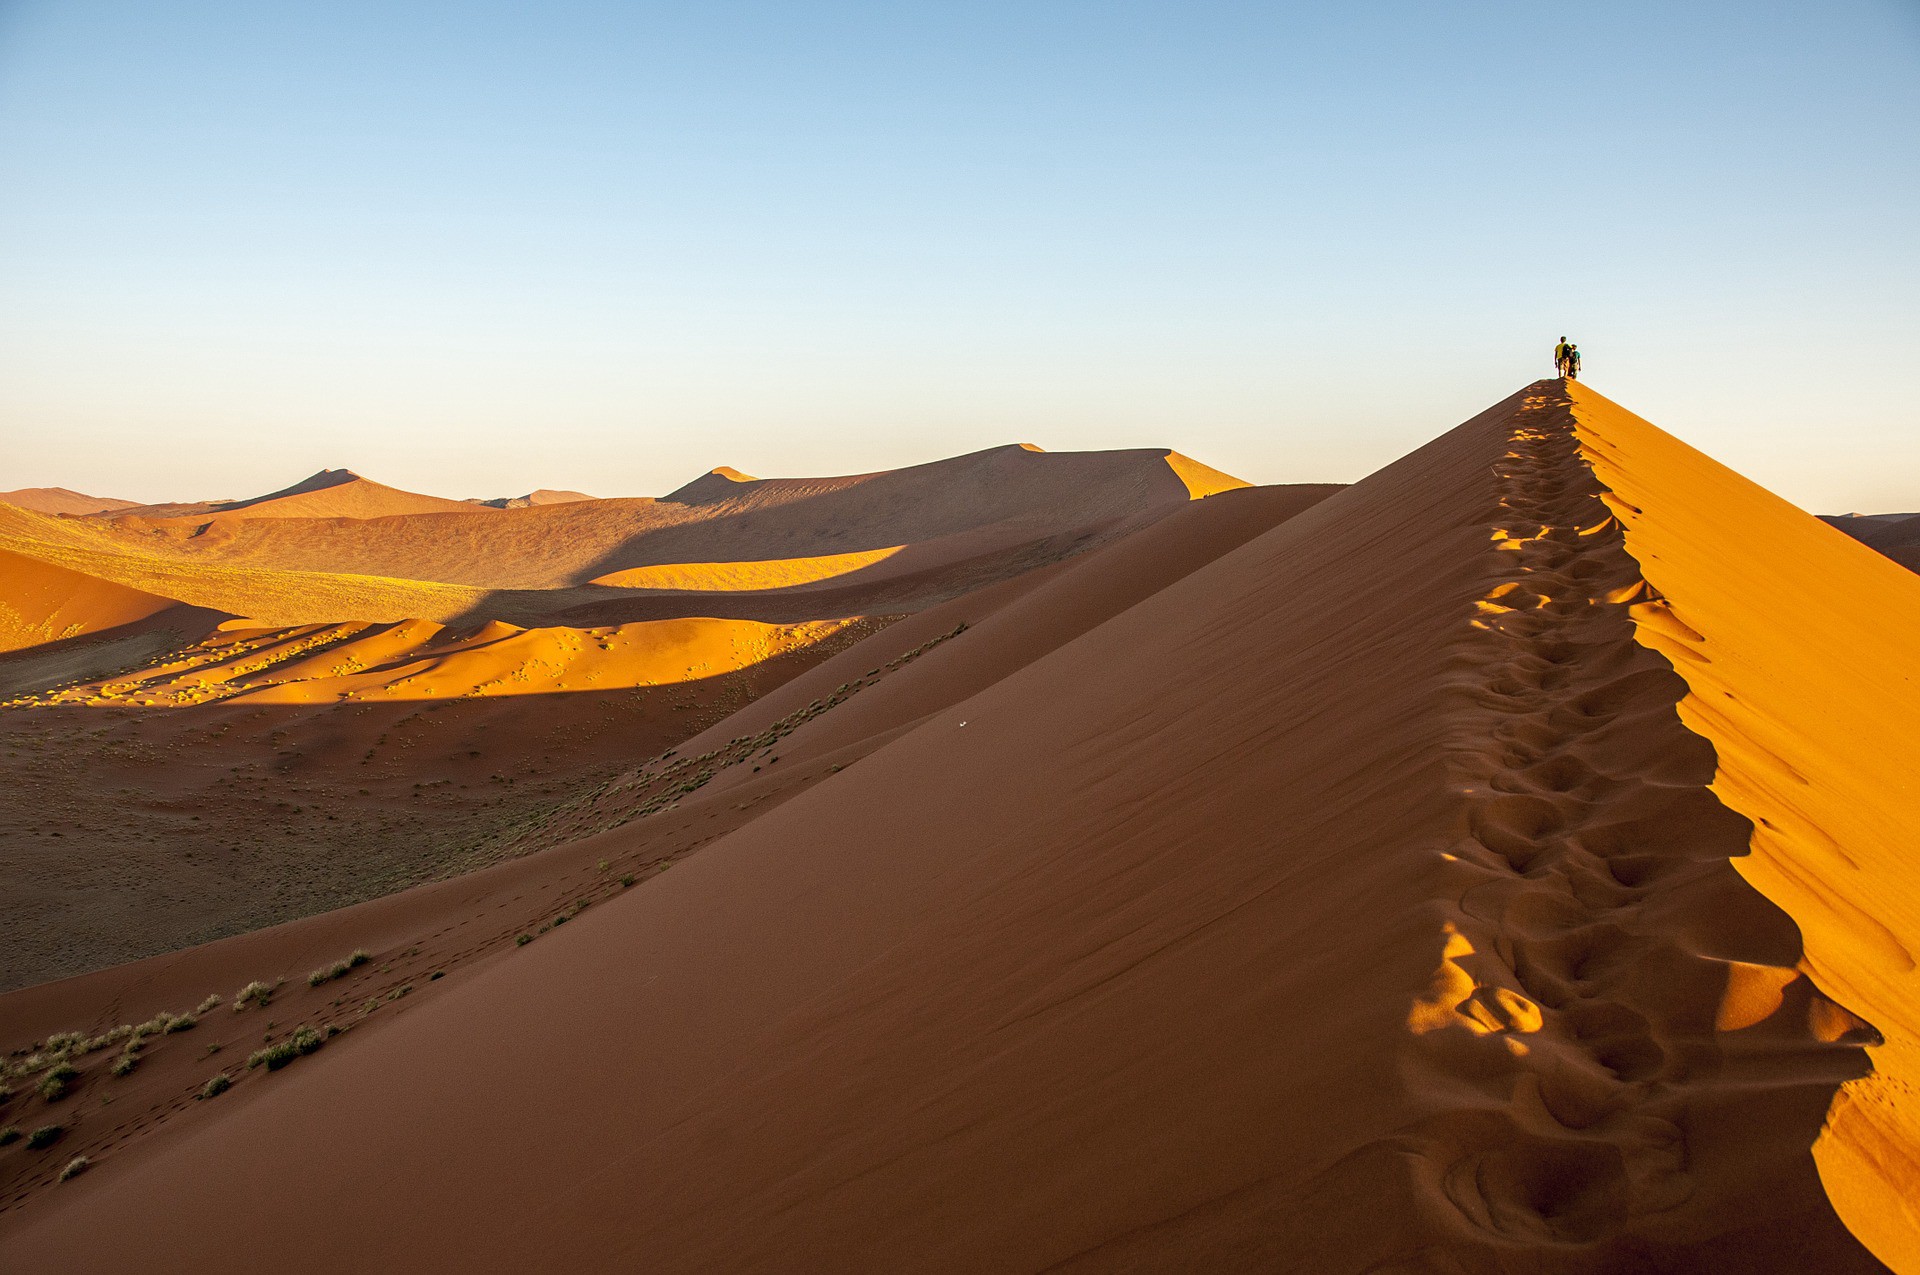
[1352, 897]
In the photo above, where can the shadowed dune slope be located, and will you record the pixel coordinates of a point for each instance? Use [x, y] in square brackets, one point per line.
[1895, 535]
[1801, 650]
[1354, 902]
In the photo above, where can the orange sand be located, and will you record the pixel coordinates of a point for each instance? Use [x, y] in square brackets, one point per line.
[776, 573]
[1345, 896]
[420, 660]
[42, 603]
[1799, 647]
[62, 500]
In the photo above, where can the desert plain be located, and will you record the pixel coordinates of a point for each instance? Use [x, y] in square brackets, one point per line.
[1018, 862]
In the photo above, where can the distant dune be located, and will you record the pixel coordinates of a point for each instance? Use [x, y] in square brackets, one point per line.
[1895, 535]
[1498, 865]
[436, 715]
[544, 496]
[331, 493]
[59, 500]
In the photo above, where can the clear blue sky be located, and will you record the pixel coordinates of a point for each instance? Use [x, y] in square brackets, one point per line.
[476, 248]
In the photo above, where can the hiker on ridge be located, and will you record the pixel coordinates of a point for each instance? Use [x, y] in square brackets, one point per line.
[1560, 356]
[1573, 363]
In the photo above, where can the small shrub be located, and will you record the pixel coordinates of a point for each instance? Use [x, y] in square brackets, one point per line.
[254, 993]
[523, 940]
[61, 1042]
[125, 1063]
[303, 1041]
[182, 1023]
[9, 1135]
[436, 975]
[217, 1086]
[338, 969]
[207, 1004]
[45, 1136]
[626, 880]
[75, 1167]
[59, 1078]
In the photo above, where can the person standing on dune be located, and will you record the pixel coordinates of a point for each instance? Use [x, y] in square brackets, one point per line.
[1560, 356]
[1573, 363]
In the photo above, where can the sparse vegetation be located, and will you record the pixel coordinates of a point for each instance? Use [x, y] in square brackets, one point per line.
[337, 970]
[9, 1135]
[182, 1023]
[59, 1078]
[626, 880]
[523, 940]
[254, 993]
[75, 1167]
[217, 1086]
[304, 1041]
[126, 1062]
[45, 1136]
[207, 1004]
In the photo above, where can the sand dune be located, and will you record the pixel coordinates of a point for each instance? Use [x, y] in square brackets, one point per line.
[1798, 648]
[331, 493]
[41, 603]
[373, 697]
[543, 496]
[774, 573]
[60, 500]
[1347, 888]
[420, 660]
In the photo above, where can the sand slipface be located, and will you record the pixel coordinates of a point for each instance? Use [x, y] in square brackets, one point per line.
[1799, 649]
[1358, 898]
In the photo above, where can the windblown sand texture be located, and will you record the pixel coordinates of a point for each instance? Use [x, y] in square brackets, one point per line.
[1448, 874]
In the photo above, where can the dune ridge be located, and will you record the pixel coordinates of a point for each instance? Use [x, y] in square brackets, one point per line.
[1353, 900]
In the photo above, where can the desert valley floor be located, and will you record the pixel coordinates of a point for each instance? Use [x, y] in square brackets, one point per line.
[1021, 862]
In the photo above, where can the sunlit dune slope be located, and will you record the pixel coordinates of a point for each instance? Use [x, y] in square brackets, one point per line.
[777, 573]
[331, 493]
[42, 603]
[1801, 651]
[421, 660]
[1354, 902]
[62, 500]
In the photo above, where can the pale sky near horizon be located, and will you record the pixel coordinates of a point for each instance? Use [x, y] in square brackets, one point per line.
[473, 249]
